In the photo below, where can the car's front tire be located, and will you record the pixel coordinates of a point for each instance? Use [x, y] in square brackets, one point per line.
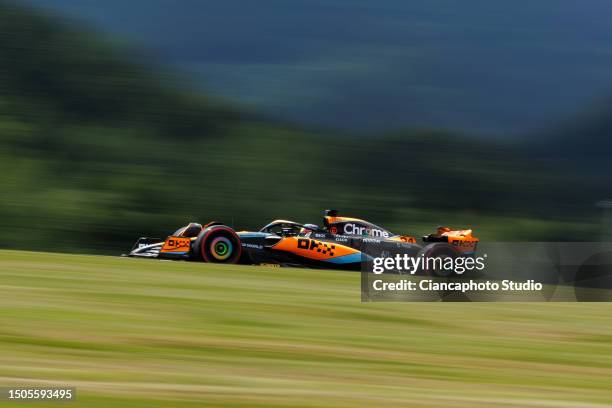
[218, 244]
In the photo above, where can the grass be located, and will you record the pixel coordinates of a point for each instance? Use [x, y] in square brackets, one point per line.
[145, 333]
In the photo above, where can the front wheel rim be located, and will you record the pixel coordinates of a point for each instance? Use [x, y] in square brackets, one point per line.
[221, 248]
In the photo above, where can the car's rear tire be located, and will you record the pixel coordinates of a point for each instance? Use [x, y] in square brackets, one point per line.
[443, 251]
[438, 250]
[218, 244]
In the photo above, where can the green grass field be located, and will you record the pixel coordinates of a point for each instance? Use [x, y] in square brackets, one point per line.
[144, 333]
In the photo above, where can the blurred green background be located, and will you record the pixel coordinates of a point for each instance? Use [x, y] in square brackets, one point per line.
[412, 114]
[101, 143]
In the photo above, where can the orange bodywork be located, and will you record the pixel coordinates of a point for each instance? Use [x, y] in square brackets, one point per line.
[176, 245]
[313, 248]
[404, 238]
[333, 220]
[462, 239]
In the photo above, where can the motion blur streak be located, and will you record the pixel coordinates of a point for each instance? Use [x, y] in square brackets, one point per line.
[98, 145]
[177, 334]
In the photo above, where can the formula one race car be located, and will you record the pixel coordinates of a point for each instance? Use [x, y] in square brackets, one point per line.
[343, 243]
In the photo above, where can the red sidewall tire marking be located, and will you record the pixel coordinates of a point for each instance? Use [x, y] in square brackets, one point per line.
[204, 241]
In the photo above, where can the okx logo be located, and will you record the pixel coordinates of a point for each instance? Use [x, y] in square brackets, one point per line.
[317, 246]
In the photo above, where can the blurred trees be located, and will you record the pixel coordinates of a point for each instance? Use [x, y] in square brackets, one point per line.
[97, 149]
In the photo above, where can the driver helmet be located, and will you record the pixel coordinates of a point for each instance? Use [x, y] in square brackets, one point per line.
[308, 228]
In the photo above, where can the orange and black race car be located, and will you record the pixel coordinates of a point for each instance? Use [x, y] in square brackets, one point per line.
[342, 243]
